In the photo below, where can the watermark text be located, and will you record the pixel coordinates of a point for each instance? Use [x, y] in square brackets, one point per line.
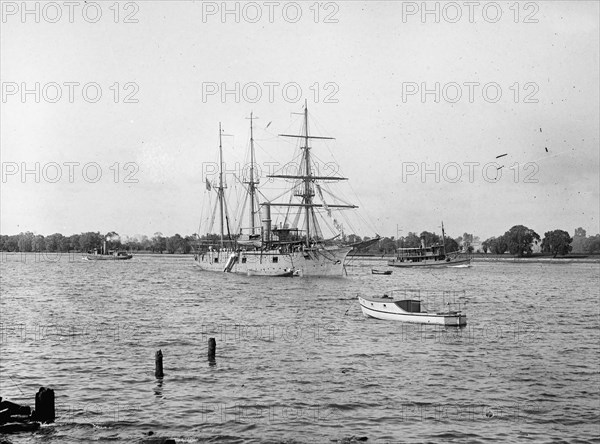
[70, 12]
[68, 172]
[454, 172]
[254, 92]
[69, 92]
[455, 92]
[270, 12]
[471, 12]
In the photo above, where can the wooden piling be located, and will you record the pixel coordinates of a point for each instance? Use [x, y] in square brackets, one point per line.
[44, 405]
[212, 349]
[158, 370]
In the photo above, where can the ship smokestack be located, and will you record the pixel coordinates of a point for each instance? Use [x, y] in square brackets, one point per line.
[266, 221]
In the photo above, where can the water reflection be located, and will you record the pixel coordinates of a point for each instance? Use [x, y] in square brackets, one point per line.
[158, 388]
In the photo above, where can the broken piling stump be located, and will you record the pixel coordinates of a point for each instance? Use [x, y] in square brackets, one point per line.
[212, 348]
[44, 406]
[158, 360]
[15, 418]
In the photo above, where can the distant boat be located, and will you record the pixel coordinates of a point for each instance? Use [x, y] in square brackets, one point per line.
[429, 256]
[386, 272]
[107, 255]
[111, 256]
[409, 310]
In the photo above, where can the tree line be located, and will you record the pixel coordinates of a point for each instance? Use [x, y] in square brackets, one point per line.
[518, 240]
[90, 241]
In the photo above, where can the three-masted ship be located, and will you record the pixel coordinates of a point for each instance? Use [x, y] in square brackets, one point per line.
[294, 247]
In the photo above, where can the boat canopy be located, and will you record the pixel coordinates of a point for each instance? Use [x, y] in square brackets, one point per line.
[410, 305]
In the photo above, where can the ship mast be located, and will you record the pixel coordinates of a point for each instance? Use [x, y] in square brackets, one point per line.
[252, 183]
[307, 178]
[443, 239]
[221, 189]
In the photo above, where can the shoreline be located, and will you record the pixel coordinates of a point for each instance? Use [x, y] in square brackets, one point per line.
[592, 258]
[506, 258]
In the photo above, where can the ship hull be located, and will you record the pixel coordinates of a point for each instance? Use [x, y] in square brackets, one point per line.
[107, 257]
[319, 262]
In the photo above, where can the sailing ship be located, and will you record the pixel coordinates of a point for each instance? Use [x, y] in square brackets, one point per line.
[429, 256]
[291, 248]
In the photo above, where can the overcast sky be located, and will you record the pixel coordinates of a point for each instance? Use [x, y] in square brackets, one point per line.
[361, 67]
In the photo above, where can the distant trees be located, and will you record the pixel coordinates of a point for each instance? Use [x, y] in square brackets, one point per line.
[174, 243]
[113, 240]
[138, 243]
[38, 243]
[57, 243]
[593, 245]
[90, 241]
[430, 238]
[387, 245]
[24, 241]
[411, 241]
[495, 245]
[451, 245]
[485, 246]
[9, 243]
[520, 240]
[159, 243]
[189, 244]
[74, 242]
[467, 240]
[557, 242]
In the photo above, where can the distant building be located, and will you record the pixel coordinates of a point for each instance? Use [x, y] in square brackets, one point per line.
[477, 246]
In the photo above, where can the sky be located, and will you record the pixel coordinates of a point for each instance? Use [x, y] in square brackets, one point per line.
[484, 118]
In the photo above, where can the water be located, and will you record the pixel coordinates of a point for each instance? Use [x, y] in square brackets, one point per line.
[296, 360]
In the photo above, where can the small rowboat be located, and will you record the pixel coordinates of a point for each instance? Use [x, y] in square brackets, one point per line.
[386, 272]
[408, 310]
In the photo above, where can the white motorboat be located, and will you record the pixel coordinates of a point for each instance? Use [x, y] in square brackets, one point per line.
[411, 310]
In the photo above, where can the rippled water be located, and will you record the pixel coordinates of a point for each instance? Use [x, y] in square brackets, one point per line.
[296, 360]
